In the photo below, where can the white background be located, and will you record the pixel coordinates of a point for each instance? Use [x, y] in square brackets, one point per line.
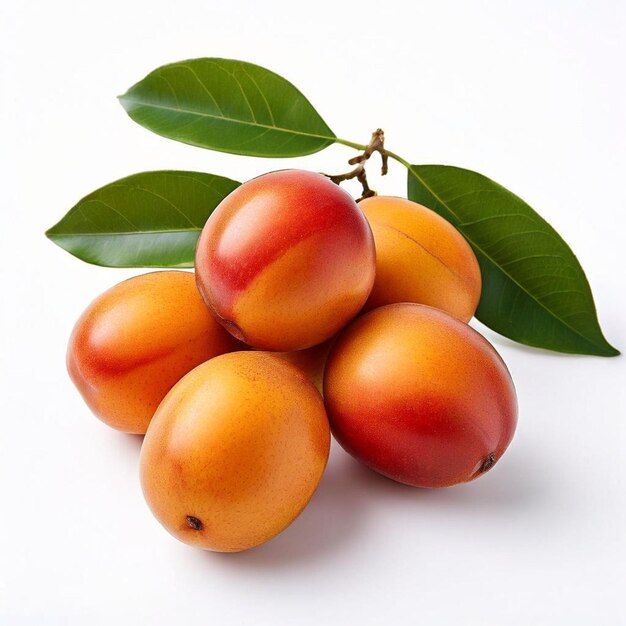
[531, 94]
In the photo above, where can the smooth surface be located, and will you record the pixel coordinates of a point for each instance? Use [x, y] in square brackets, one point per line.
[286, 260]
[419, 396]
[420, 257]
[133, 343]
[531, 95]
[238, 447]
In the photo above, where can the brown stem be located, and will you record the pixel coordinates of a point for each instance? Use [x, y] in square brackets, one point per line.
[376, 144]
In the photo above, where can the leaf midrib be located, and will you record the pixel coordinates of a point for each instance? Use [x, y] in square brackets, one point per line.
[280, 129]
[491, 260]
[134, 232]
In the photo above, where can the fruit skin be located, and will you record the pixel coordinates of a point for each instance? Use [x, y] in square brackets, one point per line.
[420, 257]
[311, 361]
[136, 340]
[286, 260]
[235, 451]
[419, 396]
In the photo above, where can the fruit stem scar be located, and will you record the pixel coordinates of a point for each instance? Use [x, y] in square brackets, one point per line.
[488, 462]
[376, 144]
[194, 522]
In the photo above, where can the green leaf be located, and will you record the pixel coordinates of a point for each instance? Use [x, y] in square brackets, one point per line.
[534, 289]
[230, 106]
[151, 219]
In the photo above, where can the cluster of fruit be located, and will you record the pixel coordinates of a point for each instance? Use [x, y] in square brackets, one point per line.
[296, 287]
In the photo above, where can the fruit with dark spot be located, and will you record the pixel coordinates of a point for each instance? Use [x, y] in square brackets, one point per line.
[235, 451]
[419, 396]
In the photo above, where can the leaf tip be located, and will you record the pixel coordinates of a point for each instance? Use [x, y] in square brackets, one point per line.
[605, 349]
[612, 351]
[123, 100]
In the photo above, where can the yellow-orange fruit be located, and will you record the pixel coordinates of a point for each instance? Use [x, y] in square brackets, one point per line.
[310, 361]
[286, 260]
[419, 396]
[420, 257]
[235, 451]
[136, 340]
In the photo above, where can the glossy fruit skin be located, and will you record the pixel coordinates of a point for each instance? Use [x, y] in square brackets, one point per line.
[136, 340]
[235, 451]
[286, 260]
[420, 257]
[419, 396]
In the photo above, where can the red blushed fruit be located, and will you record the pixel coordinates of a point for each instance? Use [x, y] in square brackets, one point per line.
[419, 396]
[138, 339]
[286, 260]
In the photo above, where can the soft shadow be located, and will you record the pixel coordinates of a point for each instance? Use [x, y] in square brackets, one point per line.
[333, 520]
[345, 503]
[131, 442]
[517, 482]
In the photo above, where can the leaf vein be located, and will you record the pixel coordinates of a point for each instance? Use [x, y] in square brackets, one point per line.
[261, 92]
[232, 120]
[109, 206]
[206, 89]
